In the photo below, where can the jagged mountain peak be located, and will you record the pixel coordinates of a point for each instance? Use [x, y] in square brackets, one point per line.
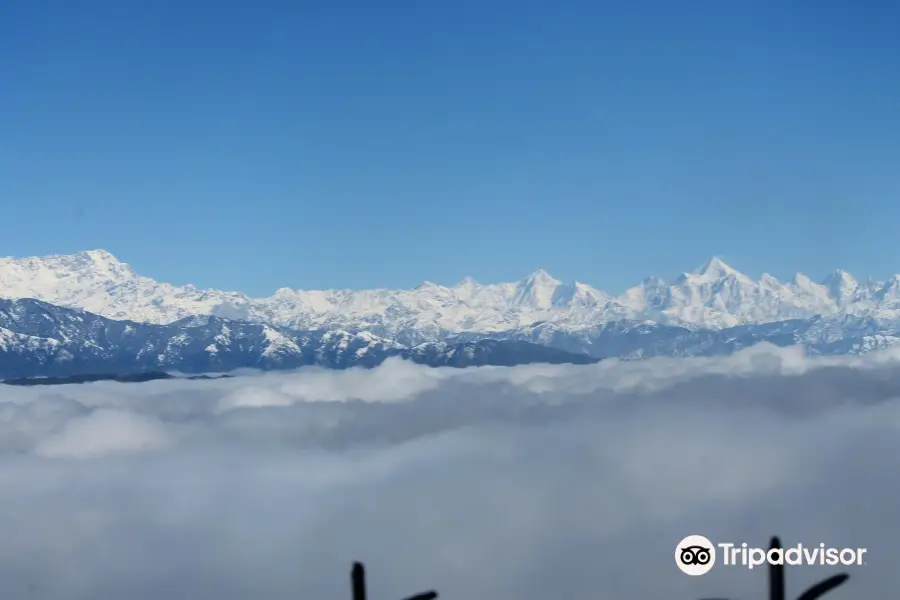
[577, 294]
[840, 277]
[100, 256]
[841, 285]
[536, 290]
[86, 259]
[714, 268]
[98, 262]
[540, 277]
[799, 279]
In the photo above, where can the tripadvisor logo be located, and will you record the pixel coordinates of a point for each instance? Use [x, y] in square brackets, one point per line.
[696, 555]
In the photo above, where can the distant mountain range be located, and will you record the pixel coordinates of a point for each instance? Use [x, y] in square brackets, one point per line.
[89, 313]
[38, 339]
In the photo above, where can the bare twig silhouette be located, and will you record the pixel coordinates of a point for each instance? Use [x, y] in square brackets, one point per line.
[776, 580]
[777, 586]
[777, 590]
[358, 579]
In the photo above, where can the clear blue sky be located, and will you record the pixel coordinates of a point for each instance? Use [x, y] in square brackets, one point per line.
[259, 144]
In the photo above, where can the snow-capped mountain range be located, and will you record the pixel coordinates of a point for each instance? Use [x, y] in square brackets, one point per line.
[715, 296]
[89, 312]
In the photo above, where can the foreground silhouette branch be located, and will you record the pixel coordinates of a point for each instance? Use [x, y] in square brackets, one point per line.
[777, 589]
[358, 580]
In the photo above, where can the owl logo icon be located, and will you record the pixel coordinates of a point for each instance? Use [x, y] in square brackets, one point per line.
[695, 555]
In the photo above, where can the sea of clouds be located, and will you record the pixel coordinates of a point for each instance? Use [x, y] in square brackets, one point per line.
[534, 482]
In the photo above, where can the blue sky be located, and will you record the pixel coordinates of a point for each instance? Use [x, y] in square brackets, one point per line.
[254, 145]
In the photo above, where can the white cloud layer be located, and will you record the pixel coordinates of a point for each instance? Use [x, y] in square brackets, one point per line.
[535, 482]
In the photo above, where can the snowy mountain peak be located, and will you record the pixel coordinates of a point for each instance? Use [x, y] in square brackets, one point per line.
[467, 282]
[285, 294]
[841, 286]
[103, 261]
[800, 280]
[840, 277]
[578, 295]
[100, 256]
[890, 292]
[541, 278]
[536, 290]
[714, 268]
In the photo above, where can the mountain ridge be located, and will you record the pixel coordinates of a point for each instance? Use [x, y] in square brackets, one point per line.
[714, 296]
[38, 339]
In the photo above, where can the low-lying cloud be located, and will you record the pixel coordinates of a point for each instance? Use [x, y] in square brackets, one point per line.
[533, 482]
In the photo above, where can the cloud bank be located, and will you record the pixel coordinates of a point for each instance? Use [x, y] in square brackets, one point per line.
[533, 482]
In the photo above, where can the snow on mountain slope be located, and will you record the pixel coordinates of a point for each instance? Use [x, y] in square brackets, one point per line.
[715, 296]
[38, 339]
[98, 282]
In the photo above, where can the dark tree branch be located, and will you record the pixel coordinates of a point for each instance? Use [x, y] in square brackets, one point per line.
[426, 596]
[358, 581]
[777, 589]
[776, 575]
[821, 588]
